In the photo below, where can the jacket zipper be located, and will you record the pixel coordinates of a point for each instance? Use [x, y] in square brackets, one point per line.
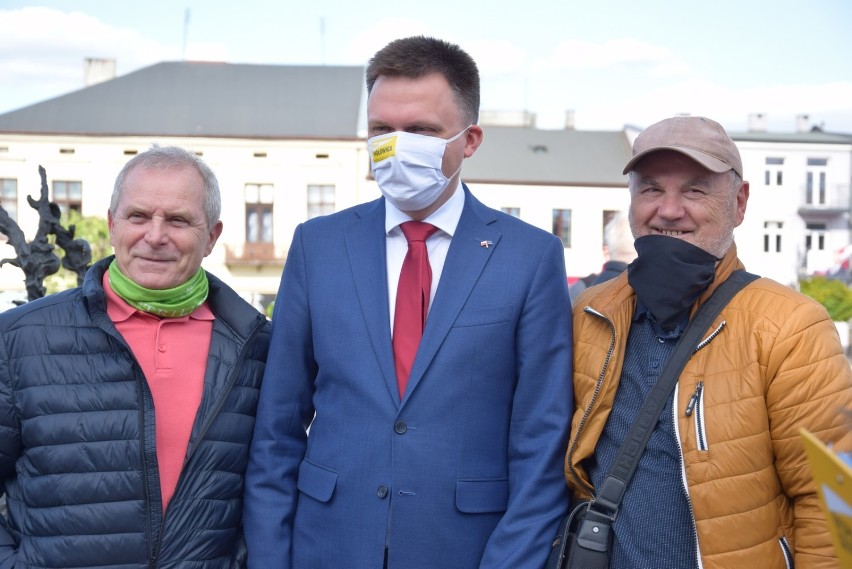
[103, 321]
[694, 402]
[716, 331]
[684, 485]
[228, 386]
[146, 481]
[570, 463]
[154, 548]
[696, 405]
[788, 555]
[232, 379]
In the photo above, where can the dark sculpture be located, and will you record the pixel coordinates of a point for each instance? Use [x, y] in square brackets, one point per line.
[37, 258]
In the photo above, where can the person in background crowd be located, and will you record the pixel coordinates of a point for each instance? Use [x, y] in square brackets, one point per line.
[724, 480]
[617, 250]
[440, 451]
[127, 405]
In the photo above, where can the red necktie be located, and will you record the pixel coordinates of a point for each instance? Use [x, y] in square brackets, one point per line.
[412, 299]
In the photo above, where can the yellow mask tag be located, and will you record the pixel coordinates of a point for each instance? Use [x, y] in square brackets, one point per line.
[384, 149]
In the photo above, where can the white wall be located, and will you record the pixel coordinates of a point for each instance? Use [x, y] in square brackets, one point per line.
[782, 203]
[291, 165]
[587, 205]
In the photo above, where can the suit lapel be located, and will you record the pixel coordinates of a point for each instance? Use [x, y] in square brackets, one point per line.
[472, 245]
[365, 243]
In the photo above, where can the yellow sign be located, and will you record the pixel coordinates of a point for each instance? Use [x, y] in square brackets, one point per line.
[384, 149]
[833, 480]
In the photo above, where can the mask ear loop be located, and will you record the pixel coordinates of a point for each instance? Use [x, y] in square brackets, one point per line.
[450, 140]
[454, 173]
[454, 138]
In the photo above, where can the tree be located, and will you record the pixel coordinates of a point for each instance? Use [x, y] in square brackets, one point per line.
[93, 229]
[833, 294]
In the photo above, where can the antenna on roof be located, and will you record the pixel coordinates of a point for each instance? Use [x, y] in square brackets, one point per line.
[322, 40]
[185, 31]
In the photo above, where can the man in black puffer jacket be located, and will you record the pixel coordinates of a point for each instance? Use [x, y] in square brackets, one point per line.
[127, 405]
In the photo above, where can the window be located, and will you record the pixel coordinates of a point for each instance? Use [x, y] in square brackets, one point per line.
[562, 225]
[259, 199]
[320, 200]
[513, 211]
[772, 236]
[815, 236]
[68, 195]
[774, 173]
[9, 196]
[815, 193]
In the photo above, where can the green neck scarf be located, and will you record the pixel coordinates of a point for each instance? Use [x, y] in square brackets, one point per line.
[166, 303]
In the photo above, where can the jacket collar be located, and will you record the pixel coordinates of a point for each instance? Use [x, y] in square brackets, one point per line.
[617, 291]
[729, 263]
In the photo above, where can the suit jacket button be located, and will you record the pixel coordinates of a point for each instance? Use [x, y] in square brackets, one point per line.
[400, 427]
[382, 492]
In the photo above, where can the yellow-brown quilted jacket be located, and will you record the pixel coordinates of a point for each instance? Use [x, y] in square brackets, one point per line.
[770, 365]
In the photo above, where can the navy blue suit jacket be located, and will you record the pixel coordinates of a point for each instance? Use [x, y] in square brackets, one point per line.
[467, 470]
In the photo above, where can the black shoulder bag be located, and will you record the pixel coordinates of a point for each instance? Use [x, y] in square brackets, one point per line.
[585, 535]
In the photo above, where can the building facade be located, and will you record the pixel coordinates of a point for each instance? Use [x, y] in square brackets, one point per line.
[288, 143]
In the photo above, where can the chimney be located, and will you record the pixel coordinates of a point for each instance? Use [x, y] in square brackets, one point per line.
[757, 122]
[97, 70]
[803, 123]
[570, 124]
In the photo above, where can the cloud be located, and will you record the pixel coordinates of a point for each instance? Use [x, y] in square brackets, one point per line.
[607, 83]
[625, 81]
[492, 57]
[44, 37]
[44, 51]
[576, 54]
[824, 103]
[370, 40]
[496, 57]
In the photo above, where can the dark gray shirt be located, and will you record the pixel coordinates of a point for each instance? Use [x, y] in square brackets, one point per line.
[654, 527]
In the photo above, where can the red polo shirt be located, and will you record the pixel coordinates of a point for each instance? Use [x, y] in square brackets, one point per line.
[173, 355]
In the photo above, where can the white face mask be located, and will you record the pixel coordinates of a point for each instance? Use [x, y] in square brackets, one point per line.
[407, 168]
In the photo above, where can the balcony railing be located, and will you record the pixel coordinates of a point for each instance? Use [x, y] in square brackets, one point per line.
[254, 254]
[833, 200]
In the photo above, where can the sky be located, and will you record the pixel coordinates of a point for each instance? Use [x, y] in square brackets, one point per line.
[612, 63]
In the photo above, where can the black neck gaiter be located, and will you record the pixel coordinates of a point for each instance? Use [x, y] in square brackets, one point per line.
[669, 275]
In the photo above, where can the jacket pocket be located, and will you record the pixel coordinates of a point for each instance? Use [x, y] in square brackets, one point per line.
[788, 554]
[695, 408]
[483, 316]
[316, 481]
[484, 495]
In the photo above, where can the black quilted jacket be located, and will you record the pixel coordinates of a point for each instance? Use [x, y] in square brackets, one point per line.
[77, 456]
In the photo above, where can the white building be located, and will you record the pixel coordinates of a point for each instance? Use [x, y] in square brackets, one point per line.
[797, 221]
[282, 140]
[287, 143]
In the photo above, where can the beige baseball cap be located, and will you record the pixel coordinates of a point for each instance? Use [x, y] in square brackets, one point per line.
[702, 139]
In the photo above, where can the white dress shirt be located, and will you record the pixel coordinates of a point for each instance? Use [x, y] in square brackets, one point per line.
[445, 218]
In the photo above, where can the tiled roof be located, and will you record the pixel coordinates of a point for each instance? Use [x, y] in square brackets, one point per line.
[206, 99]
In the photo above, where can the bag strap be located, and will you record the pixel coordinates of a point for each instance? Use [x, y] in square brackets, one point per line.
[612, 490]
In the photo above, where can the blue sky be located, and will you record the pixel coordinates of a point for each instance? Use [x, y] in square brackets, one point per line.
[611, 62]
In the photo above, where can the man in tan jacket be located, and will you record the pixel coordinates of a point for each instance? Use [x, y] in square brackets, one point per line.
[723, 481]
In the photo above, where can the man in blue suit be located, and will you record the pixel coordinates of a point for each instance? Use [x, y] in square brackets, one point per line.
[452, 460]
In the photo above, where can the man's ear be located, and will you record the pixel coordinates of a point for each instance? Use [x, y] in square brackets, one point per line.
[213, 236]
[742, 200]
[472, 140]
